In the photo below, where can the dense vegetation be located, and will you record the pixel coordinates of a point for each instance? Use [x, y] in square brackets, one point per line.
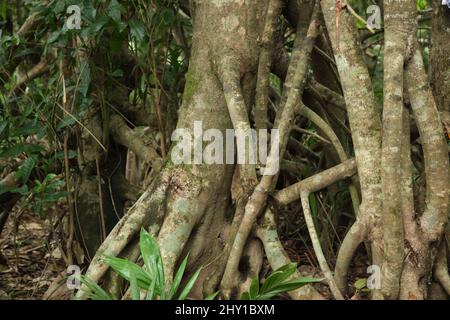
[87, 117]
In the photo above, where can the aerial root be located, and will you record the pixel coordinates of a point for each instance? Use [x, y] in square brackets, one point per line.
[147, 208]
[253, 256]
[441, 268]
[277, 256]
[354, 237]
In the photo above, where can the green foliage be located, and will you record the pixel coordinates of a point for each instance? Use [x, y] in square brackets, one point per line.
[35, 111]
[150, 278]
[277, 283]
[422, 5]
[361, 285]
[96, 292]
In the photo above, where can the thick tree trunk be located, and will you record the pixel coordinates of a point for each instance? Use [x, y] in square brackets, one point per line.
[190, 206]
[187, 206]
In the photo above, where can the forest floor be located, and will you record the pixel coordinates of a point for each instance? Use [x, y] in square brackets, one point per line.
[33, 261]
[32, 266]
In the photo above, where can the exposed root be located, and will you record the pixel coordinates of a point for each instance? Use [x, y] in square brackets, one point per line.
[128, 138]
[413, 284]
[441, 268]
[113, 282]
[317, 247]
[147, 208]
[277, 256]
[294, 87]
[434, 147]
[186, 209]
[304, 188]
[316, 182]
[253, 259]
[363, 116]
[400, 27]
[265, 56]
[352, 240]
[229, 75]
[328, 131]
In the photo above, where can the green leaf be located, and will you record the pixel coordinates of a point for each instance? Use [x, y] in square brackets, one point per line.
[85, 81]
[71, 154]
[4, 8]
[245, 296]
[279, 276]
[124, 268]
[118, 73]
[25, 169]
[67, 121]
[314, 207]
[135, 292]
[178, 277]
[23, 190]
[115, 10]
[53, 37]
[254, 288]
[360, 283]
[189, 285]
[287, 286]
[117, 40]
[137, 29]
[95, 291]
[360, 24]
[212, 296]
[422, 4]
[151, 291]
[59, 7]
[152, 260]
[89, 11]
[21, 148]
[3, 126]
[94, 29]
[168, 16]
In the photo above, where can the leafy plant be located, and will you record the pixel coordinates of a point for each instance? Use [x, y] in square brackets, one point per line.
[361, 285]
[280, 281]
[149, 279]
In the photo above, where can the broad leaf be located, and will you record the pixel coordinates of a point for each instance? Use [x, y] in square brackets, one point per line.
[279, 276]
[124, 268]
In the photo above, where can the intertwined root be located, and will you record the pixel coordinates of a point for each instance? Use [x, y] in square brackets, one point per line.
[140, 215]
